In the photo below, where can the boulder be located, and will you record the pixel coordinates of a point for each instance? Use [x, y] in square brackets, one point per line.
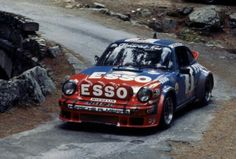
[186, 10]
[142, 12]
[30, 87]
[165, 25]
[180, 12]
[155, 25]
[98, 5]
[169, 25]
[20, 22]
[121, 16]
[69, 6]
[69, 1]
[206, 18]
[54, 51]
[232, 20]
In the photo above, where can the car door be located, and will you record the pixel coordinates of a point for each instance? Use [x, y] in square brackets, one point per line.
[186, 74]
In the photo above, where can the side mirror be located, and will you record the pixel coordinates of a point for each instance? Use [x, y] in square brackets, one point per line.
[154, 36]
[96, 58]
[195, 54]
[184, 70]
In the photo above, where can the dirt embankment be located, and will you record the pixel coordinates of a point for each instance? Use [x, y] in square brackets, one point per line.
[26, 117]
[219, 142]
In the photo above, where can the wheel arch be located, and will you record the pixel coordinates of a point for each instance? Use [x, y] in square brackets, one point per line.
[165, 93]
[171, 92]
[203, 78]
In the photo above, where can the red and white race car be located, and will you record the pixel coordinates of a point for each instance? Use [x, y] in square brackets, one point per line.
[136, 83]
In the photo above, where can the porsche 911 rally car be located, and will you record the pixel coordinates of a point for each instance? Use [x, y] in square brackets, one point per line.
[136, 83]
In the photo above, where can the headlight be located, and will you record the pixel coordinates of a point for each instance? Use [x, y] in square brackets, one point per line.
[144, 95]
[69, 87]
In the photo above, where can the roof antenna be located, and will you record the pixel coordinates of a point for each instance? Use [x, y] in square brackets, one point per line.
[155, 35]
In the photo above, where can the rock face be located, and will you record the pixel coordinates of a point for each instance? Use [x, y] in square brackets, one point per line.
[99, 5]
[165, 25]
[20, 43]
[206, 18]
[155, 25]
[180, 12]
[30, 87]
[232, 20]
[54, 51]
[142, 12]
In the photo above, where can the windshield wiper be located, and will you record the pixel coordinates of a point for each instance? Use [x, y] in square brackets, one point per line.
[154, 67]
[127, 68]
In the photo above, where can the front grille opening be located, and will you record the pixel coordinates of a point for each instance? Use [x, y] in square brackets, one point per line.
[99, 119]
[76, 117]
[65, 114]
[124, 121]
[136, 121]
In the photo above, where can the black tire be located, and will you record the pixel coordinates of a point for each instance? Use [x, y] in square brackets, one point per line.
[209, 1]
[207, 92]
[167, 116]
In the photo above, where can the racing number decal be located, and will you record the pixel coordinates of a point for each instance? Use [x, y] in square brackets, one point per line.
[189, 81]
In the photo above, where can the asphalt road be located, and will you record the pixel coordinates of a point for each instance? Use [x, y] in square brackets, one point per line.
[57, 140]
[78, 34]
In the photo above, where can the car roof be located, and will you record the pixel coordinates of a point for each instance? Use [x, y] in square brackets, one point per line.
[158, 42]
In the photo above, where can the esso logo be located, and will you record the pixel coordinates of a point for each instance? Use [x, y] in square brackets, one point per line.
[108, 91]
[123, 77]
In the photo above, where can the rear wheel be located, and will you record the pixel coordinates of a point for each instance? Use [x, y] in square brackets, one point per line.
[167, 113]
[207, 92]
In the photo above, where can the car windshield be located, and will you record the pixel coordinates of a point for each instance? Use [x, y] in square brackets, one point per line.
[136, 55]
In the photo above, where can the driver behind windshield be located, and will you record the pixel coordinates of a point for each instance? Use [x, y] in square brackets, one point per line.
[137, 55]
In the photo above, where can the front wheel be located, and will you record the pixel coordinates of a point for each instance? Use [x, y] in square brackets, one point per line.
[167, 113]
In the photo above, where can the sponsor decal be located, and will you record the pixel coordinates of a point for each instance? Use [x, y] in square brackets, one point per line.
[108, 91]
[189, 81]
[99, 109]
[162, 79]
[140, 46]
[196, 68]
[122, 77]
[139, 40]
[103, 100]
[99, 104]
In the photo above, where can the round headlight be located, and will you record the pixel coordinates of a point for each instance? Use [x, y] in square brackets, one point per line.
[69, 87]
[144, 95]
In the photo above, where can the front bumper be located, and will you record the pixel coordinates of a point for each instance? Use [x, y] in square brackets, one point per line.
[130, 116]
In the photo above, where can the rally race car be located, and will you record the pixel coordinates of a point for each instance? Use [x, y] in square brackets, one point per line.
[136, 83]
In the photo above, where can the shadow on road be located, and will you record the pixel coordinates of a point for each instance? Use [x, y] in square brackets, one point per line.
[106, 129]
[219, 2]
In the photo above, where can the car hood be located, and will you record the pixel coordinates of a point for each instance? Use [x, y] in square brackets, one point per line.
[128, 76]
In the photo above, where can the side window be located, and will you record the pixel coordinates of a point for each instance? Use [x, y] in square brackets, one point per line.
[190, 56]
[182, 56]
[167, 58]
